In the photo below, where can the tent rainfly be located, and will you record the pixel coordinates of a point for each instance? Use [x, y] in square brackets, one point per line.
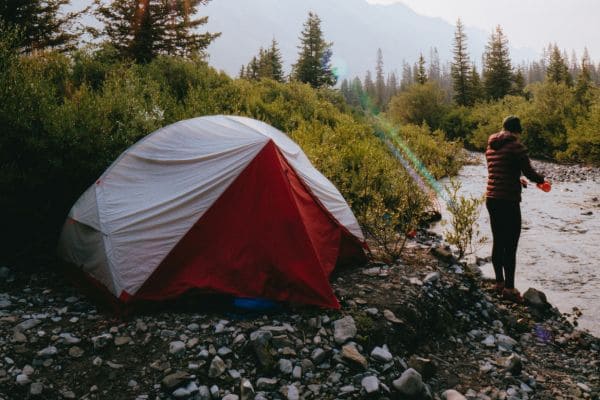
[224, 204]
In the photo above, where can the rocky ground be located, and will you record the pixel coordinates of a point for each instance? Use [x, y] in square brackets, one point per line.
[552, 171]
[425, 327]
[567, 173]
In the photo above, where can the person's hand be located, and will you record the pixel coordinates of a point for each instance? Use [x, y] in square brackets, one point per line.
[524, 182]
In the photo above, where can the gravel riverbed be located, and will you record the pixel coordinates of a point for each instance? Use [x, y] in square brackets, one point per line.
[425, 327]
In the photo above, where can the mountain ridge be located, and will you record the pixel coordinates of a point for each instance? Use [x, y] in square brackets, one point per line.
[356, 28]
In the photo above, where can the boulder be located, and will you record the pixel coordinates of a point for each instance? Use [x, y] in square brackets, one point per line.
[246, 390]
[536, 299]
[381, 354]
[370, 384]
[217, 367]
[351, 354]
[410, 384]
[344, 329]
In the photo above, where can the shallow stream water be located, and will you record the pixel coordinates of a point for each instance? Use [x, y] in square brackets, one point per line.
[559, 248]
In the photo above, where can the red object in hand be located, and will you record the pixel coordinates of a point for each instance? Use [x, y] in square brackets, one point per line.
[411, 234]
[546, 186]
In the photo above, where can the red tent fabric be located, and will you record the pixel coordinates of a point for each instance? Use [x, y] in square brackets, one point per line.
[266, 237]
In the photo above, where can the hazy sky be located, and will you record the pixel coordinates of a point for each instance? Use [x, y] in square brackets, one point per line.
[572, 24]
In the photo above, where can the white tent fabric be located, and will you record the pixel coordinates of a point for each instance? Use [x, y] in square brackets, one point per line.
[150, 197]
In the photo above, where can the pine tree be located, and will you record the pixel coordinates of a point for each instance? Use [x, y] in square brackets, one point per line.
[252, 69]
[275, 61]
[434, 71]
[267, 64]
[379, 81]
[182, 28]
[557, 71]
[369, 87]
[415, 72]
[574, 66]
[446, 81]
[142, 29]
[314, 60]
[392, 87]
[421, 71]
[40, 23]
[595, 73]
[476, 92]
[358, 97]
[535, 72]
[518, 88]
[264, 64]
[346, 90]
[544, 60]
[407, 76]
[584, 81]
[497, 75]
[460, 68]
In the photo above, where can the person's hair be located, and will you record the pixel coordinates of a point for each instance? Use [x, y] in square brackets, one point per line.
[512, 123]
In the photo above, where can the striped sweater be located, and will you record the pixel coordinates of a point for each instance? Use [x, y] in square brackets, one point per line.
[506, 160]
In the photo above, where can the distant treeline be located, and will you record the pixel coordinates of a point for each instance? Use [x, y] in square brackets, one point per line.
[557, 97]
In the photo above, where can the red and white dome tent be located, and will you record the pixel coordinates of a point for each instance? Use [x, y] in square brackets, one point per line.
[225, 204]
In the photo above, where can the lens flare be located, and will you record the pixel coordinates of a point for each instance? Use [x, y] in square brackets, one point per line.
[393, 134]
[340, 67]
[542, 334]
[389, 135]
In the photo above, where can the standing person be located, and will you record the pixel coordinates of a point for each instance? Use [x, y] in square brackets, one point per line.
[506, 159]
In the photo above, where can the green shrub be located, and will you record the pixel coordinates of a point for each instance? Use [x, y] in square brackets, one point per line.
[555, 124]
[440, 157]
[488, 116]
[458, 123]
[551, 113]
[419, 104]
[464, 212]
[92, 67]
[67, 117]
[583, 140]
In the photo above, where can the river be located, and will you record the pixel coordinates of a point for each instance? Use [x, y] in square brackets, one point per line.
[559, 249]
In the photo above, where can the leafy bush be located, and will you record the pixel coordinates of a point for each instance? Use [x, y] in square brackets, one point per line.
[419, 104]
[552, 111]
[583, 140]
[556, 125]
[488, 116]
[464, 212]
[92, 67]
[67, 117]
[458, 123]
[440, 157]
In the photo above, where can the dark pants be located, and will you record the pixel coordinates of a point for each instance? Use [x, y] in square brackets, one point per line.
[505, 218]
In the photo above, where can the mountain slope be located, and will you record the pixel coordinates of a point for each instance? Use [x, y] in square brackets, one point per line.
[355, 27]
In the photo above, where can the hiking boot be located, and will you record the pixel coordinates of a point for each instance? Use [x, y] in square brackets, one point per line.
[499, 288]
[512, 295]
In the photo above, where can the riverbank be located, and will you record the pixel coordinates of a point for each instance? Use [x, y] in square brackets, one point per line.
[424, 312]
[560, 231]
[552, 171]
